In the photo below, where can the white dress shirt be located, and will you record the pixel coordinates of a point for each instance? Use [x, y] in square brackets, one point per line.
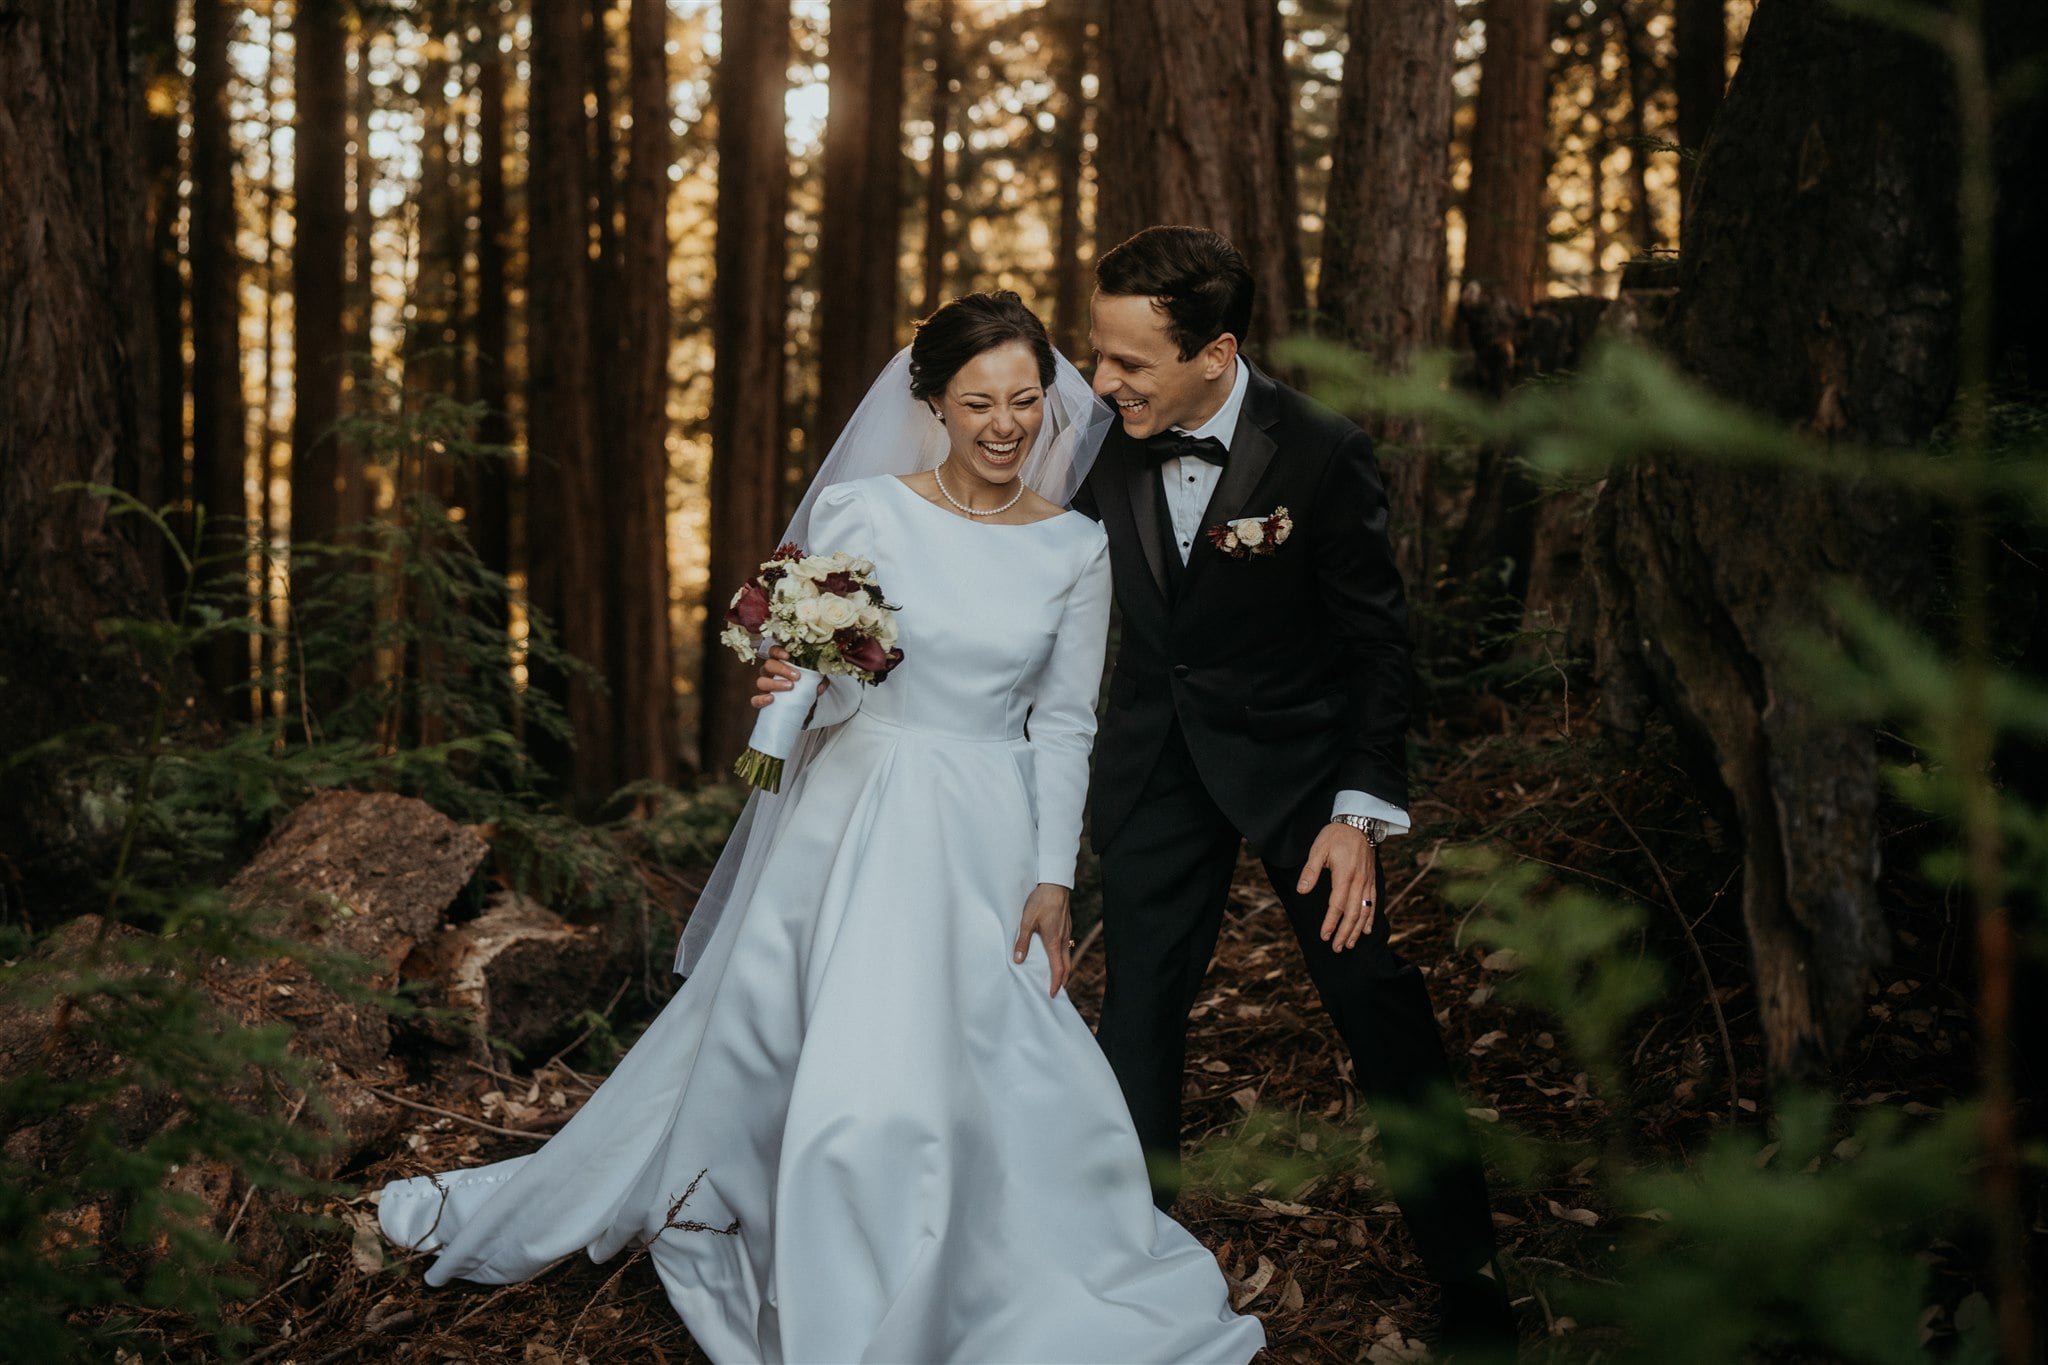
[1190, 481]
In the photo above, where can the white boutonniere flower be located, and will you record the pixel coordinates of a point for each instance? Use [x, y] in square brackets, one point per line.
[1247, 537]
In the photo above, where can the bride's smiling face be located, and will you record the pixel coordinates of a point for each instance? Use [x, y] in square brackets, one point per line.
[994, 409]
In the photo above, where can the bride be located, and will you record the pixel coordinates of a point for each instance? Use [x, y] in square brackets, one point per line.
[870, 1126]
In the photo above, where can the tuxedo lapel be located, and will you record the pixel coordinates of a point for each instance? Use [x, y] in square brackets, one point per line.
[1251, 450]
[1251, 453]
[1142, 491]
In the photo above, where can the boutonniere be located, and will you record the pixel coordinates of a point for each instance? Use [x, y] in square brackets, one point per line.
[1250, 536]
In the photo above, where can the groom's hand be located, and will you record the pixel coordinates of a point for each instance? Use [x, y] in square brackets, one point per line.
[1353, 865]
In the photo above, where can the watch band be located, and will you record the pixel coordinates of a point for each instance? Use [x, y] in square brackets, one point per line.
[1371, 827]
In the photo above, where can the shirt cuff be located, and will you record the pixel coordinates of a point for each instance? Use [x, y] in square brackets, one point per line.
[1372, 808]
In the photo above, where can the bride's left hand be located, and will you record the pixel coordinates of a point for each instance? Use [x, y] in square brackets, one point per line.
[1046, 914]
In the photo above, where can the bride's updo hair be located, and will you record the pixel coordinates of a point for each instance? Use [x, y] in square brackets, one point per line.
[966, 327]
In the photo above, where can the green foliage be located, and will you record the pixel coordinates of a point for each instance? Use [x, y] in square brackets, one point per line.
[1812, 1238]
[394, 673]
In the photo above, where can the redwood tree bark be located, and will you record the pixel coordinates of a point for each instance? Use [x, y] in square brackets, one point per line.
[1837, 146]
[748, 309]
[606, 349]
[1194, 129]
[935, 178]
[1642, 78]
[327, 490]
[1504, 205]
[857, 302]
[78, 403]
[486, 487]
[156, 48]
[1699, 75]
[645, 682]
[1383, 239]
[565, 511]
[219, 431]
[1069, 71]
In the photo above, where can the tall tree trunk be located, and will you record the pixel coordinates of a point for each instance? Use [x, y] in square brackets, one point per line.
[362, 213]
[1642, 78]
[327, 490]
[156, 39]
[606, 349]
[857, 304]
[1837, 146]
[1383, 254]
[565, 512]
[432, 362]
[1504, 205]
[486, 489]
[936, 179]
[646, 681]
[78, 404]
[1194, 129]
[747, 379]
[1069, 75]
[1699, 75]
[220, 446]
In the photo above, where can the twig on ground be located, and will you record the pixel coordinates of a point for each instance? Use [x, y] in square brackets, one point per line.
[527, 1133]
[668, 1224]
[250, 1193]
[1698, 957]
[577, 1041]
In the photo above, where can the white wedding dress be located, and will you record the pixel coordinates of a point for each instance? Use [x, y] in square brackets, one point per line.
[928, 1158]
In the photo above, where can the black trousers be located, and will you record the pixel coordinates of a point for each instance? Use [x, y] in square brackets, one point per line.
[1165, 880]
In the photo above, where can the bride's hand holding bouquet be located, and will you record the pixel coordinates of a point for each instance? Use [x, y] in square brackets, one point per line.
[828, 617]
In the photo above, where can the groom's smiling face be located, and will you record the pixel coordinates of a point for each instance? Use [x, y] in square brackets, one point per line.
[1139, 368]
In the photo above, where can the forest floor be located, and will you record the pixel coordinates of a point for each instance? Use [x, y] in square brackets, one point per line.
[1324, 1259]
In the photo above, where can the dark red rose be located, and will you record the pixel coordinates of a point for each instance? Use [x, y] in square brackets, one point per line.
[749, 610]
[864, 652]
[840, 584]
[787, 550]
[894, 657]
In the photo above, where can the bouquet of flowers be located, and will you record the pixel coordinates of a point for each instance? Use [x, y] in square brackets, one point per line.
[828, 612]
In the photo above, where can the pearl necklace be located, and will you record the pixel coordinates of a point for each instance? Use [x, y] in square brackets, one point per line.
[940, 480]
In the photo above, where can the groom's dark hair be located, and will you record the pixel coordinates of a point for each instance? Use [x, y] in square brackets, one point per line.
[1197, 276]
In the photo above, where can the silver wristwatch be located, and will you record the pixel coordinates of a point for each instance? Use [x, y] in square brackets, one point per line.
[1371, 826]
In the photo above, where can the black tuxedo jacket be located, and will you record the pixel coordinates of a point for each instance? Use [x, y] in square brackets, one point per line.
[1288, 672]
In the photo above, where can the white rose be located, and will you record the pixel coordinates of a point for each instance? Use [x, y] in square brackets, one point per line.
[1251, 532]
[864, 568]
[1229, 541]
[815, 567]
[836, 613]
[789, 588]
[805, 614]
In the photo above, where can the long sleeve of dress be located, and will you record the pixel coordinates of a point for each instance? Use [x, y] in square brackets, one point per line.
[839, 523]
[1063, 718]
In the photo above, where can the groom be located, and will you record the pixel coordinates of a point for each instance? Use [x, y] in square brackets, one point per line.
[1260, 695]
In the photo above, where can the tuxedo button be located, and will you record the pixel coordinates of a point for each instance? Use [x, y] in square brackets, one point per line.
[1180, 670]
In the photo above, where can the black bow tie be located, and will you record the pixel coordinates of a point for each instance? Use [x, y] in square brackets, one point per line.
[1173, 445]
